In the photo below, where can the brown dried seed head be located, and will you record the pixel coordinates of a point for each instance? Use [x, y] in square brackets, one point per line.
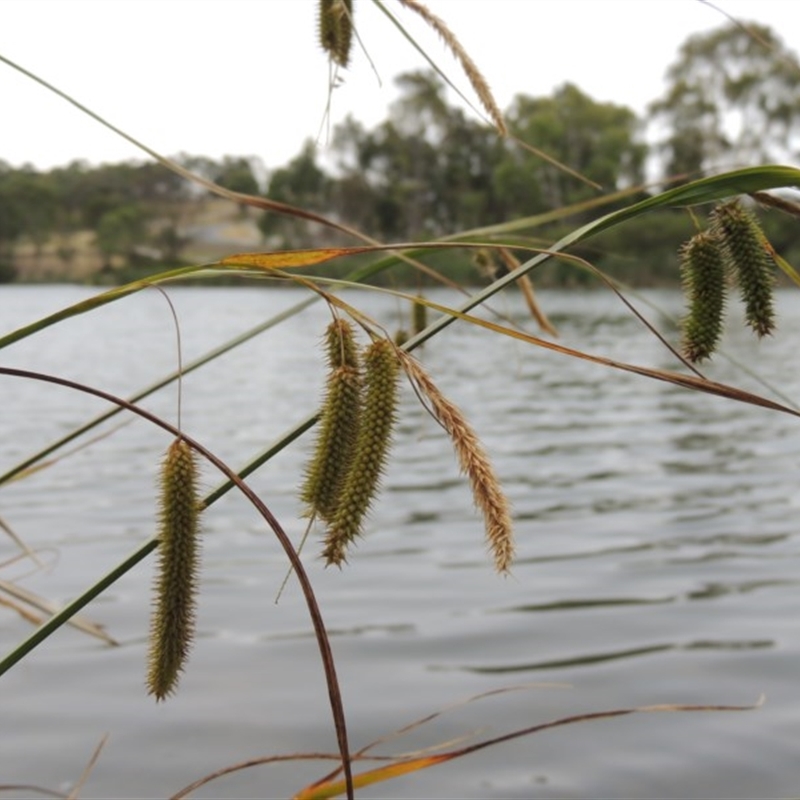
[371, 450]
[486, 263]
[172, 623]
[471, 70]
[475, 464]
[703, 275]
[749, 259]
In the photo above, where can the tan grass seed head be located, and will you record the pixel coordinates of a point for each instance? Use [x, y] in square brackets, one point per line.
[487, 491]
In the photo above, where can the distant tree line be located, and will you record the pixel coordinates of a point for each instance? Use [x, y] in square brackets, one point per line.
[429, 169]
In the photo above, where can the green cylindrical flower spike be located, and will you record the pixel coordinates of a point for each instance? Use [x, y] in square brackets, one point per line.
[342, 348]
[335, 21]
[703, 274]
[360, 485]
[333, 453]
[172, 624]
[338, 425]
[748, 257]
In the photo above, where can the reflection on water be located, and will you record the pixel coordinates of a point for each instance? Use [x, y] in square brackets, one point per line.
[571, 605]
[597, 658]
[661, 526]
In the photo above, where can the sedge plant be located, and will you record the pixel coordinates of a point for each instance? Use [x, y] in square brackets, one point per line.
[356, 421]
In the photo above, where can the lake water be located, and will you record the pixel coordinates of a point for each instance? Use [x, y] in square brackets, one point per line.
[658, 561]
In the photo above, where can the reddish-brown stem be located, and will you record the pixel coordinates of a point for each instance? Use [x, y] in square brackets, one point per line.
[334, 692]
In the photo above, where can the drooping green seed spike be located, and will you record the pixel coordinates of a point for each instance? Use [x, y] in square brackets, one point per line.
[335, 23]
[703, 274]
[420, 317]
[749, 259]
[173, 618]
[400, 337]
[338, 424]
[361, 483]
[333, 451]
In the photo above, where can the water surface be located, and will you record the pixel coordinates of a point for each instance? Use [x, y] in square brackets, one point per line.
[658, 560]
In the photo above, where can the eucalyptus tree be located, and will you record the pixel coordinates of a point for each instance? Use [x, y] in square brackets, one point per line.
[425, 171]
[732, 99]
[29, 206]
[597, 141]
[302, 183]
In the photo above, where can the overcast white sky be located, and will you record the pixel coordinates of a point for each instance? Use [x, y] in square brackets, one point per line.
[246, 77]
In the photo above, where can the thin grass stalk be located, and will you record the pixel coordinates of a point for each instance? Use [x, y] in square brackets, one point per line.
[747, 180]
[704, 190]
[320, 632]
[22, 595]
[237, 197]
[229, 194]
[474, 75]
[87, 770]
[526, 286]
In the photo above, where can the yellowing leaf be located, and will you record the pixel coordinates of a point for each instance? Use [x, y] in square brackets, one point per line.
[327, 789]
[286, 259]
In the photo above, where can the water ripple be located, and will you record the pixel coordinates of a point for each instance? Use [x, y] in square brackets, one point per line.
[590, 659]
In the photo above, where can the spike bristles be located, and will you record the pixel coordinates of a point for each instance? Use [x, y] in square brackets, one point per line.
[360, 485]
[471, 70]
[338, 428]
[703, 275]
[335, 23]
[172, 623]
[342, 348]
[333, 453]
[486, 489]
[748, 257]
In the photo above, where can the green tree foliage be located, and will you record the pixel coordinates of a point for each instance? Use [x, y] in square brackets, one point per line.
[597, 140]
[425, 171]
[12, 222]
[733, 99]
[38, 207]
[301, 183]
[29, 205]
[121, 231]
[353, 193]
[236, 173]
[430, 169]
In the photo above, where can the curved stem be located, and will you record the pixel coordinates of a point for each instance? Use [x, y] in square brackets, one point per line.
[334, 692]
